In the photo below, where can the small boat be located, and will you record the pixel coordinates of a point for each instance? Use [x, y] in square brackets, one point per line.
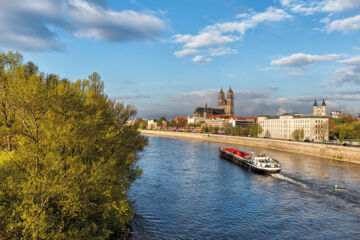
[257, 162]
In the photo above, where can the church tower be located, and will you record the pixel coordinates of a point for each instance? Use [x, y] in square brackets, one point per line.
[323, 108]
[221, 100]
[229, 110]
[315, 108]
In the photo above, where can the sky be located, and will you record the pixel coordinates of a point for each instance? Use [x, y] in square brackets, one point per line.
[169, 57]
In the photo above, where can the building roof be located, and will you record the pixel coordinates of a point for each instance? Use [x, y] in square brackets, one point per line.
[179, 118]
[323, 103]
[201, 110]
[315, 103]
[294, 116]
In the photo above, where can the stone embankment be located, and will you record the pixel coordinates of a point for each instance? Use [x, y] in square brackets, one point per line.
[341, 153]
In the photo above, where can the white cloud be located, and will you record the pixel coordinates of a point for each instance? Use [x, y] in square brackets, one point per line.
[185, 52]
[94, 21]
[350, 74]
[204, 39]
[216, 37]
[340, 5]
[273, 88]
[33, 25]
[355, 61]
[265, 69]
[221, 51]
[271, 14]
[302, 60]
[201, 59]
[311, 7]
[344, 25]
[230, 75]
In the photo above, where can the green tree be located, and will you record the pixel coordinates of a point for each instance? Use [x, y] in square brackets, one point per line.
[72, 158]
[182, 123]
[302, 134]
[161, 119]
[341, 134]
[255, 130]
[347, 118]
[296, 134]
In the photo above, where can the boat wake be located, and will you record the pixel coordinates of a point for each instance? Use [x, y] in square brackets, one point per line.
[290, 180]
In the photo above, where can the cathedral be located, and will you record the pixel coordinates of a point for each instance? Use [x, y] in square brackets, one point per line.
[225, 106]
[317, 111]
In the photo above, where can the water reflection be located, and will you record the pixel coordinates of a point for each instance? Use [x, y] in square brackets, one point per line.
[188, 192]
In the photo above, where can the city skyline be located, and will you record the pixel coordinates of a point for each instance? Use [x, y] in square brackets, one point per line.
[167, 58]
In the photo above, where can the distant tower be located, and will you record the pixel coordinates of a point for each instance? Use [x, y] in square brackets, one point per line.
[315, 108]
[229, 110]
[221, 99]
[323, 108]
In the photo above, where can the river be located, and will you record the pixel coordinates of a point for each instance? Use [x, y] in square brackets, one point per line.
[187, 192]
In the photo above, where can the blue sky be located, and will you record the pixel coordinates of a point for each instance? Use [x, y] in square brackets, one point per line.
[168, 57]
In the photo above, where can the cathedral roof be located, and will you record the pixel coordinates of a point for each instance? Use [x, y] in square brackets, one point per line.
[315, 103]
[230, 90]
[201, 110]
[323, 103]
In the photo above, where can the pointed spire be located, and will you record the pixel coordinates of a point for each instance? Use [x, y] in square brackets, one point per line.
[315, 103]
[323, 103]
[230, 90]
[205, 105]
[221, 91]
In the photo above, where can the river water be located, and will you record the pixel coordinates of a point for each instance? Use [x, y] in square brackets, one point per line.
[188, 192]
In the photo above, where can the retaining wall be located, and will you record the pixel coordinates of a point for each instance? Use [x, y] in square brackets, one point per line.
[341, 153]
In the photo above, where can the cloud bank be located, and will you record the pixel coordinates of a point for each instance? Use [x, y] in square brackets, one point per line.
[33, 25]
[213, 40]
[302, 60]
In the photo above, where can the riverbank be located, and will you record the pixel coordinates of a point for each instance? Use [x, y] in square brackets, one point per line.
[340, 153]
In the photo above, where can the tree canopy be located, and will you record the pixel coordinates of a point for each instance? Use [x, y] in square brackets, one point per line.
[67, 156]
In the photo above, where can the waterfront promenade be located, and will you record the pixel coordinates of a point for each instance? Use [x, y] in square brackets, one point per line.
[341, 153]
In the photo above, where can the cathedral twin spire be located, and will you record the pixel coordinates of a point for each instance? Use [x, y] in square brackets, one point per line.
[228, 103]
[317, 110]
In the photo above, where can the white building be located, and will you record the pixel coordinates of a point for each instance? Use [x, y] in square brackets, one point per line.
[195, 120]
[220, 123]
[241, 123]
[151, 124]
[316, 128]
[335, 114]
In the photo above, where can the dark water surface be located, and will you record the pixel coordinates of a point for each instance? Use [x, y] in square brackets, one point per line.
[188, 192]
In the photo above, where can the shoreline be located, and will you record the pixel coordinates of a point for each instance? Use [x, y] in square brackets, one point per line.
[335, 152]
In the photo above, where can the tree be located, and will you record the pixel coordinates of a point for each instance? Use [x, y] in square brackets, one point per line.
[341, 134]
[161, 119]
[182, 122]
[173, 123]
[73, 157]
[323, 130]
[347, 118]
[302, 134]
[296, 134]
[255, 130]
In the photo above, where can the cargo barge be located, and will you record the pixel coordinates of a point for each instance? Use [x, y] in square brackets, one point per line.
[257, 162]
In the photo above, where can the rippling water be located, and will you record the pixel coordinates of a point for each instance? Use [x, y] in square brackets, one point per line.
[188, 192]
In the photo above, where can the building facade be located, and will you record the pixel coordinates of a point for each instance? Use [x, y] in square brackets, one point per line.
[315, 127]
